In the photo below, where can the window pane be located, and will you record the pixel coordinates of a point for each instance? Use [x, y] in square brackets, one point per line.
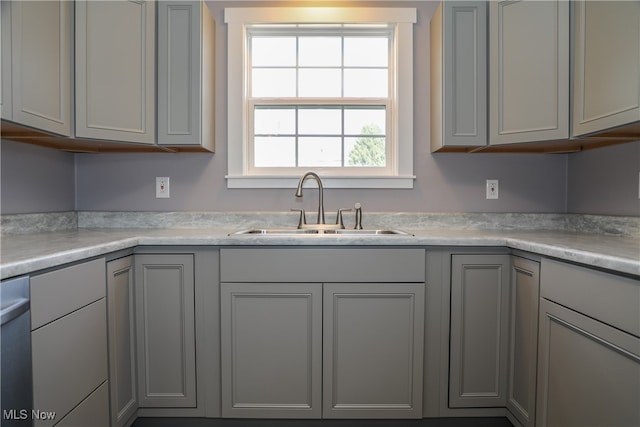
[363, 82]
[273, 51]
[365, 151]
[273, 82]
[319, 152]
[366, 52]
[319, 82]
[274, 121]
[364, 121]
[320, 51]
[319, 121]
[274, 152]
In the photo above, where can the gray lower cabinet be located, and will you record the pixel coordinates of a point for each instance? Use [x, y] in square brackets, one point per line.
[122, 340]
[372, 347]
[69, 345]
[272, 350]
[479, 330]
[523, 339]
[322, 332]
[588, 348]
[165, 328]
[588, 372]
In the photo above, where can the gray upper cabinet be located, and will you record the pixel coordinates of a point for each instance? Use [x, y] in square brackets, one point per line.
[37, 51]
[459, 75]
[6, 103]
[115, 70]
[185, 74]
[479, 330]
[528, 71]
[606, 85]
[165, 329]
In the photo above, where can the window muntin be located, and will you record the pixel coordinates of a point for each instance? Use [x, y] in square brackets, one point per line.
[322, 100]
[320, 136]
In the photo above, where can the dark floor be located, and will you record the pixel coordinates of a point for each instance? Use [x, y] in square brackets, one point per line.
[426, 422]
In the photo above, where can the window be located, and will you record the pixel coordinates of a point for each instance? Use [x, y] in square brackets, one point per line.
[323, 89]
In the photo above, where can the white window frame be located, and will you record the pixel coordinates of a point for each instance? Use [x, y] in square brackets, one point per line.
[238, 19]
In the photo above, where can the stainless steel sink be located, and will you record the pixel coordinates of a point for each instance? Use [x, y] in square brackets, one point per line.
[319, 232]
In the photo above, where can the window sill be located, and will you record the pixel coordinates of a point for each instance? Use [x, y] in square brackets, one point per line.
[398, 182]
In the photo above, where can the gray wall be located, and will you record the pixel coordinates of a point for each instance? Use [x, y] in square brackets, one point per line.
[602, 181]
[35, 179]
[605, 181]
[445, 182]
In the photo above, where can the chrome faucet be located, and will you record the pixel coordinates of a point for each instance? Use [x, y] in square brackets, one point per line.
[320, 194]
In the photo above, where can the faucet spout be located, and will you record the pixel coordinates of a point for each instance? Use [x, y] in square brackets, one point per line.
[320, 193]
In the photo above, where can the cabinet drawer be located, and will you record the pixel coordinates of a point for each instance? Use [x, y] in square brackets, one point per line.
[322, 265]
[60, 292]
[69, 359]
[93, 411]
[612, 299]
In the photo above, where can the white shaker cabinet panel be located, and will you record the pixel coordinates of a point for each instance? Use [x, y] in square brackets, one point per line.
[459, 75]
[185, 74]
[115, 70]
[271, 350]
[36, 64]
[528, 71]
[606, 91]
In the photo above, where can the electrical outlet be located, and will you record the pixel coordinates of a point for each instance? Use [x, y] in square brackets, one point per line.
[492, 189]
[162, 187]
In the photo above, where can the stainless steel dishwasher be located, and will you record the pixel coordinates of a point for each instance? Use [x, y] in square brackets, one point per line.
[16, 398]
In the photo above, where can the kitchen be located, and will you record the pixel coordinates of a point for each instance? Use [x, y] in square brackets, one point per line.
[535, 189]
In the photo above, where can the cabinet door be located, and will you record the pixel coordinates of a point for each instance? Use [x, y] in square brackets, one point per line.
[41, 64]
[185, 74]
[479, 330]
[523, 339]
[122, 344]
[115, 70]
[165, 330]
[606, 87]
[373, 350]
[588, 372]
[271, 350]
[528, 71]
[459, 75]
[6, 104]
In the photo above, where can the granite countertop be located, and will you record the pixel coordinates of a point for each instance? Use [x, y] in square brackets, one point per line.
[25, 253]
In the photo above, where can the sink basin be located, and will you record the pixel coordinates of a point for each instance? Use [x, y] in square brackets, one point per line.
[319, 232]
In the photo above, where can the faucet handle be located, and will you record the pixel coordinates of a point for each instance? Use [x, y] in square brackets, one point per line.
[303, 217]
[339, 216]
[358, 208]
